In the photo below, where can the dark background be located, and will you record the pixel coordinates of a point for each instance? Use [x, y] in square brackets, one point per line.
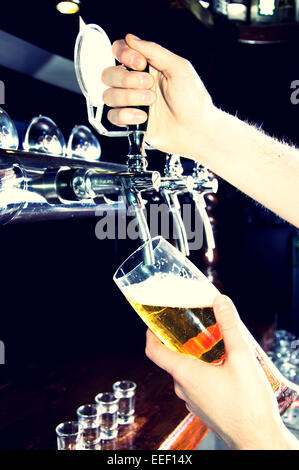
[58, 297]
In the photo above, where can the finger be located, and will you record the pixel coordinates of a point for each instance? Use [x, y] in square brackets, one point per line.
[128, 56]
[126, 116]
[118, 97]
[120, 77]
[229, 323]
[160, 354]
[159, 57]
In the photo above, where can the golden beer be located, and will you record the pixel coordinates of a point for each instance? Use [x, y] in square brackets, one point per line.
[179, 311]
[175, 300]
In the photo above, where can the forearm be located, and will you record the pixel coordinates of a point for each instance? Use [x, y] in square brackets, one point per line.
[258, 165]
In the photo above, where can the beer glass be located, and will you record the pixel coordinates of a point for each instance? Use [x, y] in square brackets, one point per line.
[174, 299]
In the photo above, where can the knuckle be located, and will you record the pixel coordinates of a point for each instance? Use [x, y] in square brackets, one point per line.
[132, 97]
[186, 62]
[228, 319]
[122, 115]
[126, 81]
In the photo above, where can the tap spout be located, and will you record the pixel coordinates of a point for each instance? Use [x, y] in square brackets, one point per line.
[201, 207]
[173, 204]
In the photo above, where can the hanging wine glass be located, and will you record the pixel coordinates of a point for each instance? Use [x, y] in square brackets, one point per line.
[82, 143]
[8, 133]
[44, 136]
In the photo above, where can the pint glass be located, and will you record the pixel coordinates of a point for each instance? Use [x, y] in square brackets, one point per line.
[173, 298]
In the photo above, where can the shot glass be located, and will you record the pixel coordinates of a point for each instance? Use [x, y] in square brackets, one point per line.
[69, 436]
[89, 419]
[107, 404]
[124, 390]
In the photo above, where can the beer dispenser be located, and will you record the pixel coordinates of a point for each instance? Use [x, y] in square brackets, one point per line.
[39, 186]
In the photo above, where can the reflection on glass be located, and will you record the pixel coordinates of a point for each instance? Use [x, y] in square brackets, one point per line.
[83, 144]
[175, 300]
[8, 133]
[44, 136]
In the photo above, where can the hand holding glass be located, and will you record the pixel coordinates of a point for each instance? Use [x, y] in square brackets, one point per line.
[175, 300]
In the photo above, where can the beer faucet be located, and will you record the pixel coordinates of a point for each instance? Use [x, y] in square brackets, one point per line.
[171, 185]
[198, 185]
[83, 184]
[204, 183]
[93, 53]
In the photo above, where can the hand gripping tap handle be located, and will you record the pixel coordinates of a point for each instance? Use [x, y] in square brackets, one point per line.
[137, 131]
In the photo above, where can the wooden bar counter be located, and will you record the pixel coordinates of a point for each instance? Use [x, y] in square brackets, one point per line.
[69, 334]
[39, 397]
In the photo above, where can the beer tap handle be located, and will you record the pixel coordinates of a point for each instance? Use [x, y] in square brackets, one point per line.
[135, 202]
[171, 200]
[173, 166]
[201, 207]
[136, 138]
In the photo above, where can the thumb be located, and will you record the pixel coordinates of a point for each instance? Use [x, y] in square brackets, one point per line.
[229, 323]
[157, 56]
[162, 355]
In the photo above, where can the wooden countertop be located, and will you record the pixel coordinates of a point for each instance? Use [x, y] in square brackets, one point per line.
[36, 398]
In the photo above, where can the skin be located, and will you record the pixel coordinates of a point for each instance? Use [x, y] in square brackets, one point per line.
[183, 120]
[242, 409]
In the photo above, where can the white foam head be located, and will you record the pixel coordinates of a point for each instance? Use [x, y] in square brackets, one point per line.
[172, 291]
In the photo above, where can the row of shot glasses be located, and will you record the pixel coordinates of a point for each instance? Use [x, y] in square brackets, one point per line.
[99, 421]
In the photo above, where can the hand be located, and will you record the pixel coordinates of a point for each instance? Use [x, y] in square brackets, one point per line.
[180, 104]
[234, 399]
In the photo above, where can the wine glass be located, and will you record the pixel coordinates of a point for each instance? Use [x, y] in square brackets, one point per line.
[44, 136]
[8, 133]
[82, 143]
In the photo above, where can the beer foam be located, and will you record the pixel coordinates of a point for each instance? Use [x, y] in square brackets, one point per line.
[172, 291]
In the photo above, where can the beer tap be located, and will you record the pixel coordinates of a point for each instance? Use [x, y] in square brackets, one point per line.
[171, 185]
[82, 184]
[204, 183]
[93, 53]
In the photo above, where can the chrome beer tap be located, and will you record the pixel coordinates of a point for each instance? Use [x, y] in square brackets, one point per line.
[204, 183]
[84, 184]
[93, 53]
[172, 184]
